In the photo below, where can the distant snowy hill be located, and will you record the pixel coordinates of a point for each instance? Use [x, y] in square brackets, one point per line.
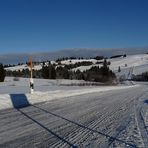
[86, 53]
[131, 64]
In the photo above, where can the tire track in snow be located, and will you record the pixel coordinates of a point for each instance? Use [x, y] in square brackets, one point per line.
[88, 129]
[141, 123]
[120, 129]
[47, 129]
[81, 126]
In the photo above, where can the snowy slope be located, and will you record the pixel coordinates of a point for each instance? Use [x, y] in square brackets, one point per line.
[24, 66]
[132, 64]
[138, 63]
[74, 61]
[18, 67]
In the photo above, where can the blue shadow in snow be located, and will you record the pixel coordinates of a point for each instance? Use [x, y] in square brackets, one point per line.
[19, 100]
[146, 101]
[111, 138]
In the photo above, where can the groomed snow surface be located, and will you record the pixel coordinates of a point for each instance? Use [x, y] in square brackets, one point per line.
[59, 114]
[72, 113]
[46, 90]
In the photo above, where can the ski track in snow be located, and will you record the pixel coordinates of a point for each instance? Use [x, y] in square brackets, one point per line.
[67, 116]
[136, 130]
[106, 119]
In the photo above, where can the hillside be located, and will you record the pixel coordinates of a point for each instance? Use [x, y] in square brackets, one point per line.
[129, 65]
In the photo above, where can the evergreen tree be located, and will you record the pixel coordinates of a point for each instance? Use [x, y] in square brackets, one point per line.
[2, 73]
[48, 72]
[45, 72]
[52, 72]
[62, 72]
[105, 69]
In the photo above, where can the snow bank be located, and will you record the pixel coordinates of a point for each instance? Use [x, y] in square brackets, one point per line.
[38, 97]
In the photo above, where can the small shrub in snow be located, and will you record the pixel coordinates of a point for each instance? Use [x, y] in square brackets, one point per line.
[119, 69]
[16, 79]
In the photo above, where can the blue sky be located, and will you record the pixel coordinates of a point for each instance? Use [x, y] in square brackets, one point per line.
[49, 25]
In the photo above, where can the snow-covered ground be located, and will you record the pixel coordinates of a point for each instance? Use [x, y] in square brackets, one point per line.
[74, 61]
[131, 61]
[50, 89]
[24, 66]
[73, 116]
[139, 63]
[63, 113]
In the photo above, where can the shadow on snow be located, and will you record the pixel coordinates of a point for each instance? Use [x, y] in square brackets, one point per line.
[20, 101]
[110, 138]
[146, 101]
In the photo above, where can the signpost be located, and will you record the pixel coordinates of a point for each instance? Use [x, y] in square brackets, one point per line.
[31, 77]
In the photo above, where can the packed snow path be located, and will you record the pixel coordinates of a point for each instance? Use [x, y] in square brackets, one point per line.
[99, 119]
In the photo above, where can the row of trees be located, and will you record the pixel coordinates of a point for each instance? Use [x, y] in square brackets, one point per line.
[50, 71]
[140, 77]
[78, 64]
[80, 58]
[2, 73]
[96, 73]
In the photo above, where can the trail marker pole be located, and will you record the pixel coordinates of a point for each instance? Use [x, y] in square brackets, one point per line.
[31, 77]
